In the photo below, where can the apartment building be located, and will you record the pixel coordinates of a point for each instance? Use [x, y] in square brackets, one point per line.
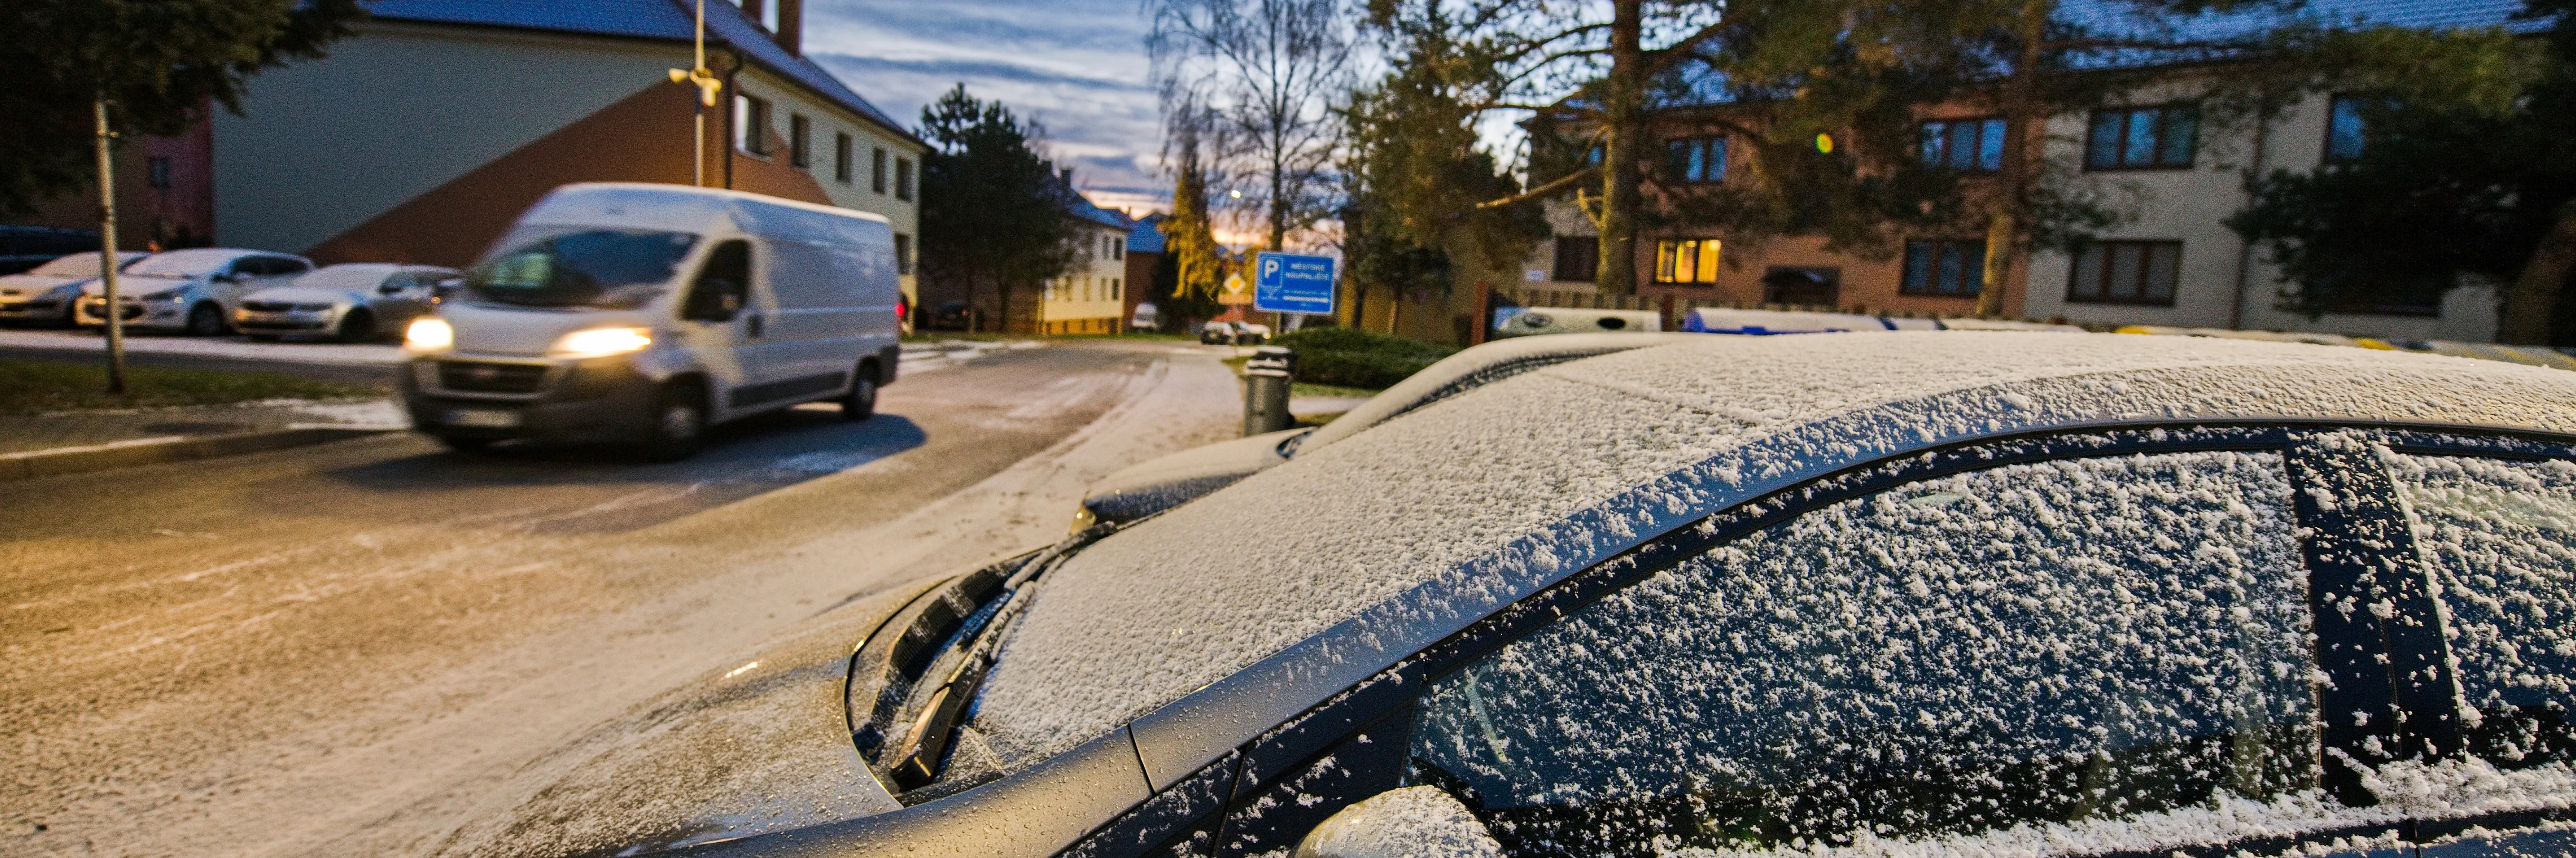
[2173, 261]
[425, 132]
[1091, 296]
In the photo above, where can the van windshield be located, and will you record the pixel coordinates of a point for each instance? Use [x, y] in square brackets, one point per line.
[615, 269]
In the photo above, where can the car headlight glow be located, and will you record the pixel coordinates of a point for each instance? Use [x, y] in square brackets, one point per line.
[602, 342]
[428, 335]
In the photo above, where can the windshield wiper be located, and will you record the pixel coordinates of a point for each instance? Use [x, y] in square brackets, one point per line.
[909, 693]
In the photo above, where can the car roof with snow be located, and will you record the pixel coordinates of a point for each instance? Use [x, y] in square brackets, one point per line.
[1232, 612]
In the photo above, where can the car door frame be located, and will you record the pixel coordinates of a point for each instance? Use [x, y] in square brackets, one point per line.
[1363, 729]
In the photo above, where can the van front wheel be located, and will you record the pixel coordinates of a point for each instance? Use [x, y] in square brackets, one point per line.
[861, 402]
[679, 425]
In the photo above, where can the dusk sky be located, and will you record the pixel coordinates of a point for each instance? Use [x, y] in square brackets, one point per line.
[1078, 66]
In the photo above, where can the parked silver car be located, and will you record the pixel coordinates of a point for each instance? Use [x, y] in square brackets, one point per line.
[45, 294]
[350, 302]
[192, 291]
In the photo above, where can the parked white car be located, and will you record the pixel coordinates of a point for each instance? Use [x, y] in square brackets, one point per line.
[350, 302]
[46, 294]
[193, 291]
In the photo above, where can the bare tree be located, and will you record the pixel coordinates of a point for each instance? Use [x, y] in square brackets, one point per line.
[1271, 70]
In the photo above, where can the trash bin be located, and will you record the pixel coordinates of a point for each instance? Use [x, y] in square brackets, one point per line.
[1265, 389]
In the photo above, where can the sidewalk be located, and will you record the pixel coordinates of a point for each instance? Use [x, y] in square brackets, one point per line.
[79, 441]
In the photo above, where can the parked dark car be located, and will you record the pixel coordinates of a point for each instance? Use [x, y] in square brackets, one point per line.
[1875, 594]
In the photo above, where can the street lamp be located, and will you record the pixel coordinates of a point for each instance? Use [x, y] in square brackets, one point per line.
[708, 85]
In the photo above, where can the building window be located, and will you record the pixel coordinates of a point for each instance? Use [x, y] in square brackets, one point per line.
[1945, 269]
[2126, 272]
[1689, 260]
[1965, 145]
[1578, 258]
[902, 253]
[2344, 131]
[751, 125]
[1117, 289]
[1812, 286]
[877, 171]
[841, 157]
[2142, 138]
[157, 172]
[800, 141]
[1696, 160]
[903, 178]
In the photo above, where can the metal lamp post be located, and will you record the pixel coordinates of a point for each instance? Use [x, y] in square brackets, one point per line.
[708, 86]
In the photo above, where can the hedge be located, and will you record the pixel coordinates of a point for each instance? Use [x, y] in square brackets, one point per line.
[1347, 357]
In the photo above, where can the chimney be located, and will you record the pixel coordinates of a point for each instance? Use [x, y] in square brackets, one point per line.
[791, 26]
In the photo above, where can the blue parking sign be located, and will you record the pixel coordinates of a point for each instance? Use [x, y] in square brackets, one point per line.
[1288, 283]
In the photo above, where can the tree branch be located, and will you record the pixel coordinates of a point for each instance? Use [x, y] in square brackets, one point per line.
[1561, 183]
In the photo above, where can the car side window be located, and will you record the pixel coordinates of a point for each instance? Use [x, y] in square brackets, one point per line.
[2500, 538]
[287, 265]
[2031, 648]
[723, 285]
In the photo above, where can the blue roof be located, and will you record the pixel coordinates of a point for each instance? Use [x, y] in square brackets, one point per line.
[644, 19]
[1082, 208]
[1696, 85]
[1147, 237]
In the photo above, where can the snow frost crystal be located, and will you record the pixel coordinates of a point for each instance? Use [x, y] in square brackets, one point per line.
[2501, 539]
[2046, 643]
[1455, 495]
[1414, 822]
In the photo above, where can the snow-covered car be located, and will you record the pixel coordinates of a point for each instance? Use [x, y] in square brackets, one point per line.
[1221, 333]
[45, 294]
[349, 302]
[194, 291]
[1161, 483]
[1906, 594]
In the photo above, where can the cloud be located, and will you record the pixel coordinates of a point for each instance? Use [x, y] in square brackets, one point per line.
[1078, 67]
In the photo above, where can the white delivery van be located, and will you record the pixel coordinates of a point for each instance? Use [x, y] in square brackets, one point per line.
[644, 313]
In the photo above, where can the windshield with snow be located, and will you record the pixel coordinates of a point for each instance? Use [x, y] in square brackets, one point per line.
[581, 267]
[182, 264]
[75, 265]
[2054, 644]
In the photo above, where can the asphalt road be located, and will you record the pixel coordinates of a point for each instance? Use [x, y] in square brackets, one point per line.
[328, 650]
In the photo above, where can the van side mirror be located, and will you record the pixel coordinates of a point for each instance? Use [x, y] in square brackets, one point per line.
[1413, 822]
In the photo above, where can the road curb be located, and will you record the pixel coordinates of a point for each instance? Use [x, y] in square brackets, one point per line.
[150, 451]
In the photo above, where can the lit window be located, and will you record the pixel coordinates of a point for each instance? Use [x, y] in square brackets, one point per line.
[1689, 260]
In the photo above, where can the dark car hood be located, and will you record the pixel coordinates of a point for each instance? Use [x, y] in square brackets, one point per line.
[762, 746]
[1159, 484]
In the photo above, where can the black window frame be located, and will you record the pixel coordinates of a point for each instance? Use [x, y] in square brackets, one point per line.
[2109, 249]
[800, 141]
[1363, 731]
[2157, 152]
[1708, 153]
[1919, 274]
[877, 170]
[755, 120]
[1936, 138]
[841, 149]
[902, 253]
[903, 173]
[1577, 258]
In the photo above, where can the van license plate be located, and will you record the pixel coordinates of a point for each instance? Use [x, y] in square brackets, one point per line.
[486, 418]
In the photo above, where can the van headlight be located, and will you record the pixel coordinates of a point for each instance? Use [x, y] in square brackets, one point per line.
[428, 335]
[601, 342]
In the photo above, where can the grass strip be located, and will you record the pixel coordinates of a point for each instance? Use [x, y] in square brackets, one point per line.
[36, 386]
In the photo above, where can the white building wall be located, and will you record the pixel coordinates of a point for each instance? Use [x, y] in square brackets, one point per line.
[866, 136]
[1093, 287]
[2223, 282]
[299, 167]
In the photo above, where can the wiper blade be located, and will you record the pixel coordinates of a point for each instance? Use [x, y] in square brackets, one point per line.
[923, 680]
